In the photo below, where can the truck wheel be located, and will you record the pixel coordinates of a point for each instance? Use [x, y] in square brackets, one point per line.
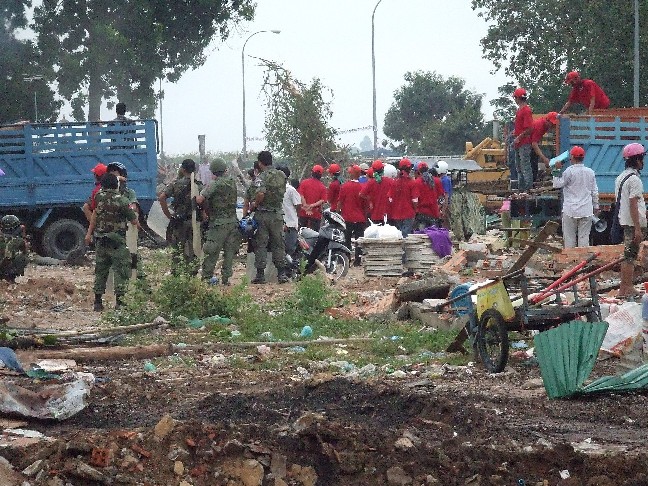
[62, 237]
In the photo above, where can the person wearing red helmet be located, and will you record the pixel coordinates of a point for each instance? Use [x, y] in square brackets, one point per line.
[375, 191]
[585, 92]
[628, 188]
[351, 206]
[333, 190]
[522, 140]
[89, 206]
[429, 189]
[539, 127]
[580, 198]
[315, 195]
[403, 198]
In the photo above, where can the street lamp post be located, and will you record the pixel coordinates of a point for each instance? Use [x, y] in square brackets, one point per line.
[243, 78]
[31, 79]
[373, 72]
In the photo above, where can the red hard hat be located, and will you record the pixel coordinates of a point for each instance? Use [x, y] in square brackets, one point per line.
[405, 164]
[422, 167]
[318, 168]
[572, 76]
[520, 93]
[377, 165]
[334, 169]
[552, 117]
[354, 170]
[577, 152]
[100, 169]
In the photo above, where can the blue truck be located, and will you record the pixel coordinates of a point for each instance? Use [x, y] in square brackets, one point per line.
[48, 174]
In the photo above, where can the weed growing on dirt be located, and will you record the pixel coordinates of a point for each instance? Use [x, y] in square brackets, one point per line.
[312, 295]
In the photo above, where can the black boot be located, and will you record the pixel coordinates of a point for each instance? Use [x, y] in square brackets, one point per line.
[260, 277]
[98, 304]
[282, 276]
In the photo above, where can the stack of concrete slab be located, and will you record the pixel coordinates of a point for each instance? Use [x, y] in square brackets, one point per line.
[382, 257]
[419, 255]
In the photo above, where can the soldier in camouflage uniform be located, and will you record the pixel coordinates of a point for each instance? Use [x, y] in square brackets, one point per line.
[267, 204]
[218, 200]
[108, 224]
[179, 233]
[13, 248]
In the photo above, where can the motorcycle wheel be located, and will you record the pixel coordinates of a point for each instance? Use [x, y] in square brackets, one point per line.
[339, 266]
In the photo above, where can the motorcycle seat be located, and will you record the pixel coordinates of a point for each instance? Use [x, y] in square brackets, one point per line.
[308, 233]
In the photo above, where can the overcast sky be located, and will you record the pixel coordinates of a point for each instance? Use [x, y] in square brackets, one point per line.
[330, 40]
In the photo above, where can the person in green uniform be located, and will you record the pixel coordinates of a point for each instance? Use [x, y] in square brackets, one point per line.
[13, 248]
[180, 233]
[267, 207]
[108, 226]
[218, 200]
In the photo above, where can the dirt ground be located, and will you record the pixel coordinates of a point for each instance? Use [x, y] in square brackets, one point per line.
[220, 425]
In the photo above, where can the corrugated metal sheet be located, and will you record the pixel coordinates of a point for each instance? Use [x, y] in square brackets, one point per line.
[567, 355]
[632, 380]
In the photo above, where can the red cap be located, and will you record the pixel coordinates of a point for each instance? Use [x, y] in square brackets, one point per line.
[572, 76]
[354, 170]
[318, 168]
[520, 93]
[405, 164]
[334, 169]
[422, 167]
[99, 170]
[377, 165]
[577, 152]
[370, 172]
[552, 117]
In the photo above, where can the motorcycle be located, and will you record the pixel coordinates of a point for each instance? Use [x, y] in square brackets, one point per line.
[329, 243]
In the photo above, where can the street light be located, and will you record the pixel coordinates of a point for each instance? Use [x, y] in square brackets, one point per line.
[31, 79]
[243, 73]
[373, 72]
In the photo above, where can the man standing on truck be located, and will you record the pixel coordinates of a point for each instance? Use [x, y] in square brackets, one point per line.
[108, 225]
[632, 214]
[585, 92]
[539, 127]
[522, 140]
[180, 232]
[580, 198]
[219, 202]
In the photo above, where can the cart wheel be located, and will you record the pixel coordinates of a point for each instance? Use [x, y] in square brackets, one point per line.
[492, 341]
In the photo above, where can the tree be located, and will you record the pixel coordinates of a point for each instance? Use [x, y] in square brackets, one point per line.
[297, 119]
[433, 115]
[107, 49]
[366, 145]
[538, 41]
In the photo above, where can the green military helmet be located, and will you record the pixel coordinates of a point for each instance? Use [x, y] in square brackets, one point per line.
[9, 223]
[218, 165]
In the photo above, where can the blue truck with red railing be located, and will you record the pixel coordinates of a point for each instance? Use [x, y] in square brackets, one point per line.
[48, 174]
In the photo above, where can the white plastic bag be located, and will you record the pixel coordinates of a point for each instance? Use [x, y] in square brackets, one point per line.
[624, 326]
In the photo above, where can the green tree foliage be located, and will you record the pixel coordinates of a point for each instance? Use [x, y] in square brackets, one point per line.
[538, 41]
[117, 49]
[433, 115]
[19, 60]
[297, 120]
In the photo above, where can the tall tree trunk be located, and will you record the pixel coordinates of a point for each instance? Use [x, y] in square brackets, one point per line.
[94, 94]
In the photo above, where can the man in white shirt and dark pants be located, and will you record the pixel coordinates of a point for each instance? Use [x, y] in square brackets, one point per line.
[292, 201]
[580, 198]
[632, 214]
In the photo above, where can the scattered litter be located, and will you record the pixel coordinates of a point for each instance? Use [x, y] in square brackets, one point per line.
[9, 359]
[149, 367]
[296, 349]
[519, 345]
[264, 350]
[564, 474]
[56, 364]
[306, 332]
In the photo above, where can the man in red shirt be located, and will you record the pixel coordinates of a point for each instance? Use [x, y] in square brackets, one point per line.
[375, 191]
[314, 193]
[351, 206]
[585, 92]
[429, 190]
[541, 126]
[334, 186]
[522, 141]
[403, 197]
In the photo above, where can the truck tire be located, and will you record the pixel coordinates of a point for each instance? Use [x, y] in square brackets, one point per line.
[62, 237]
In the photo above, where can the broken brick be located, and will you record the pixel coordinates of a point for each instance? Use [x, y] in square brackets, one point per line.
[100, 457]
[140, 450]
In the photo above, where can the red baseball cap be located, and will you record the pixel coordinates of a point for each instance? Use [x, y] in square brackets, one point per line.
[577, 152]
[377, 165]
[572, 76]
[318, 168]
[422, 167]
[405, 164]
[100, 169]
[355, 170]
[334, 169]
[520, 93]
[552, 117]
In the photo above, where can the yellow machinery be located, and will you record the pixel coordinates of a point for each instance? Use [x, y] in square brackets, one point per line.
[490, 155]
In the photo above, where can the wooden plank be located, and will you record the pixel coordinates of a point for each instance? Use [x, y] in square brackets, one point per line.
[547, 230]
[537, 244]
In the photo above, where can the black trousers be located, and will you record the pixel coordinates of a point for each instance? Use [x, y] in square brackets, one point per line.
[355, 230]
